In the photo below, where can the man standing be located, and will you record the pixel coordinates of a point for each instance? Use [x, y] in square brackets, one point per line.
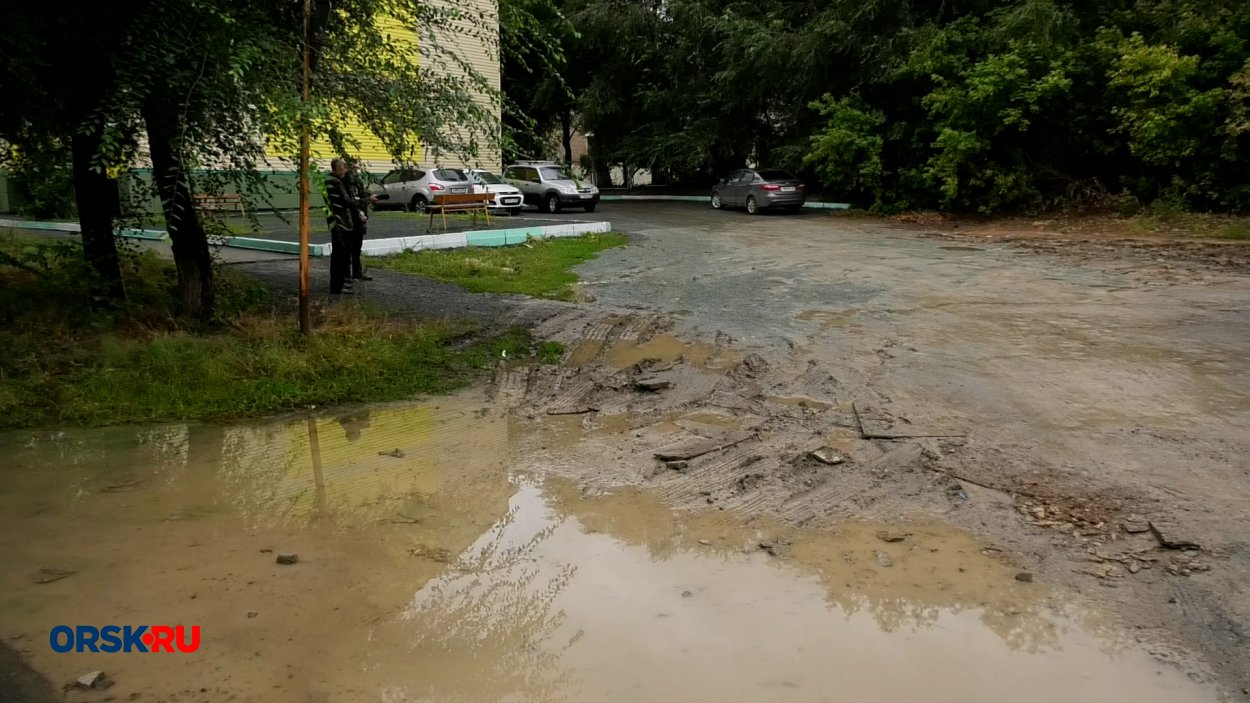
[360, 200]
[341, 217]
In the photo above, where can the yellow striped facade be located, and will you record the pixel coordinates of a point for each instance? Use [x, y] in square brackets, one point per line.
[484, 59]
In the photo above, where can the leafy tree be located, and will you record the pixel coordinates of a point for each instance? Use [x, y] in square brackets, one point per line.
[214, 85]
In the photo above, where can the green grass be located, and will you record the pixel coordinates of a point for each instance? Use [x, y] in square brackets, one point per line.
[1190, 224]
[539, 268]
[550, 352]
[1237, 230]
[65, 364]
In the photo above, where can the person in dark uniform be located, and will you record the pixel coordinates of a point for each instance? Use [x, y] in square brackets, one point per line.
[341, 218]
[360, 201]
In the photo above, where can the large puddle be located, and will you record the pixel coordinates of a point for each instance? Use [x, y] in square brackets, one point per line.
[429, 572]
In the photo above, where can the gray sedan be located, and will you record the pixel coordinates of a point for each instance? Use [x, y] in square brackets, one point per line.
[759, 189]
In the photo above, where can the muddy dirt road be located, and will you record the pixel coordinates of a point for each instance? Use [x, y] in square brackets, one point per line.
[784, 458]
[1071, 400]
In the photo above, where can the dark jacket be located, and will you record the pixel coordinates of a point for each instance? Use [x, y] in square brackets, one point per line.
[339, 212]
[357, 192]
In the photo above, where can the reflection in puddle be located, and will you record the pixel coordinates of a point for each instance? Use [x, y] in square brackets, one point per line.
[615, 599]
[427, 573]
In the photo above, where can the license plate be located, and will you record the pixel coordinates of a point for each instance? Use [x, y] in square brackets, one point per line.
[787, 189]
[587, 195]
[460, 190]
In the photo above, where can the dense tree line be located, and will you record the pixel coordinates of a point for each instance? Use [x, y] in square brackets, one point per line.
[972, 105]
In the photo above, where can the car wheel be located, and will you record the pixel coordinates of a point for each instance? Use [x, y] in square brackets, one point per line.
[553, 203]
[591, 207]
[419, 204]
[515, 211]
[716, 201]
[753, 208]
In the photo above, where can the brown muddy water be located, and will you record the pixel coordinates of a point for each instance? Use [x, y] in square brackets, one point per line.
[429, 571]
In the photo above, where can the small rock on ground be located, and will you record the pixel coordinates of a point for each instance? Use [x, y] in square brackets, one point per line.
[826, 455]
[92, 680]
[892, 536]
[287, 558]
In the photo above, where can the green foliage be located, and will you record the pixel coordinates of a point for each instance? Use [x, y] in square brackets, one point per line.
[539, 268]
[551, 352]
[44, 182]
[976, 106]
[1163, 115]
[847, 153]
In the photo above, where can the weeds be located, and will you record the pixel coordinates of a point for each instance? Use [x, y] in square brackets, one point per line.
[65, 364]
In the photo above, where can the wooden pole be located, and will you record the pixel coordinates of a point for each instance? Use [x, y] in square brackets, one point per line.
[305, 316]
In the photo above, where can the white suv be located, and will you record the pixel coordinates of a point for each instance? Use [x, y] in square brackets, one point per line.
[506, 197]
[551, 186]
[415, 188]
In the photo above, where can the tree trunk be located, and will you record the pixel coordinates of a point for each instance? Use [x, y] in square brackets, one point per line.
[566, 134]
[98, 206]
[186, 232]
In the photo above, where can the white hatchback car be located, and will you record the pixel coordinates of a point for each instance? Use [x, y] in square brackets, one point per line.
[415, 189]
[506, 197]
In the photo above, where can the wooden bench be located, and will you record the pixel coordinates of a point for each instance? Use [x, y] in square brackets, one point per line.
[461, 202]
[220, 203]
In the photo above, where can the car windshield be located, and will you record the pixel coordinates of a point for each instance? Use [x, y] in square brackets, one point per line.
[487, 177]
[449, 174]
[555, 173]
[777, 176]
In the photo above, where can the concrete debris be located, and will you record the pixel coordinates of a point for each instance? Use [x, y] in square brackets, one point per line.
[826, 455]
[92, 680]
[652, 384]
[1168, 538]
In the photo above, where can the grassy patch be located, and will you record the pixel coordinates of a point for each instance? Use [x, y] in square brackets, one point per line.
[65, 364]
[539, 268]
[1190, 224]
[1236, 230]
[550, 352]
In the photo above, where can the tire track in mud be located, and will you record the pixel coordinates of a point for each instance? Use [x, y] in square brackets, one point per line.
[889, 464]
[750, 427]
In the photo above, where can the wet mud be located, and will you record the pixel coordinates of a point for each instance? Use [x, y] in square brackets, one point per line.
[462, 550]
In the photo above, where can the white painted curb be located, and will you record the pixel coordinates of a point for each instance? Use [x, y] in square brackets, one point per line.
[705, 199]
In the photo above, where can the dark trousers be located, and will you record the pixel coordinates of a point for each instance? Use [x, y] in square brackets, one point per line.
[340, 257]
[358, 240]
